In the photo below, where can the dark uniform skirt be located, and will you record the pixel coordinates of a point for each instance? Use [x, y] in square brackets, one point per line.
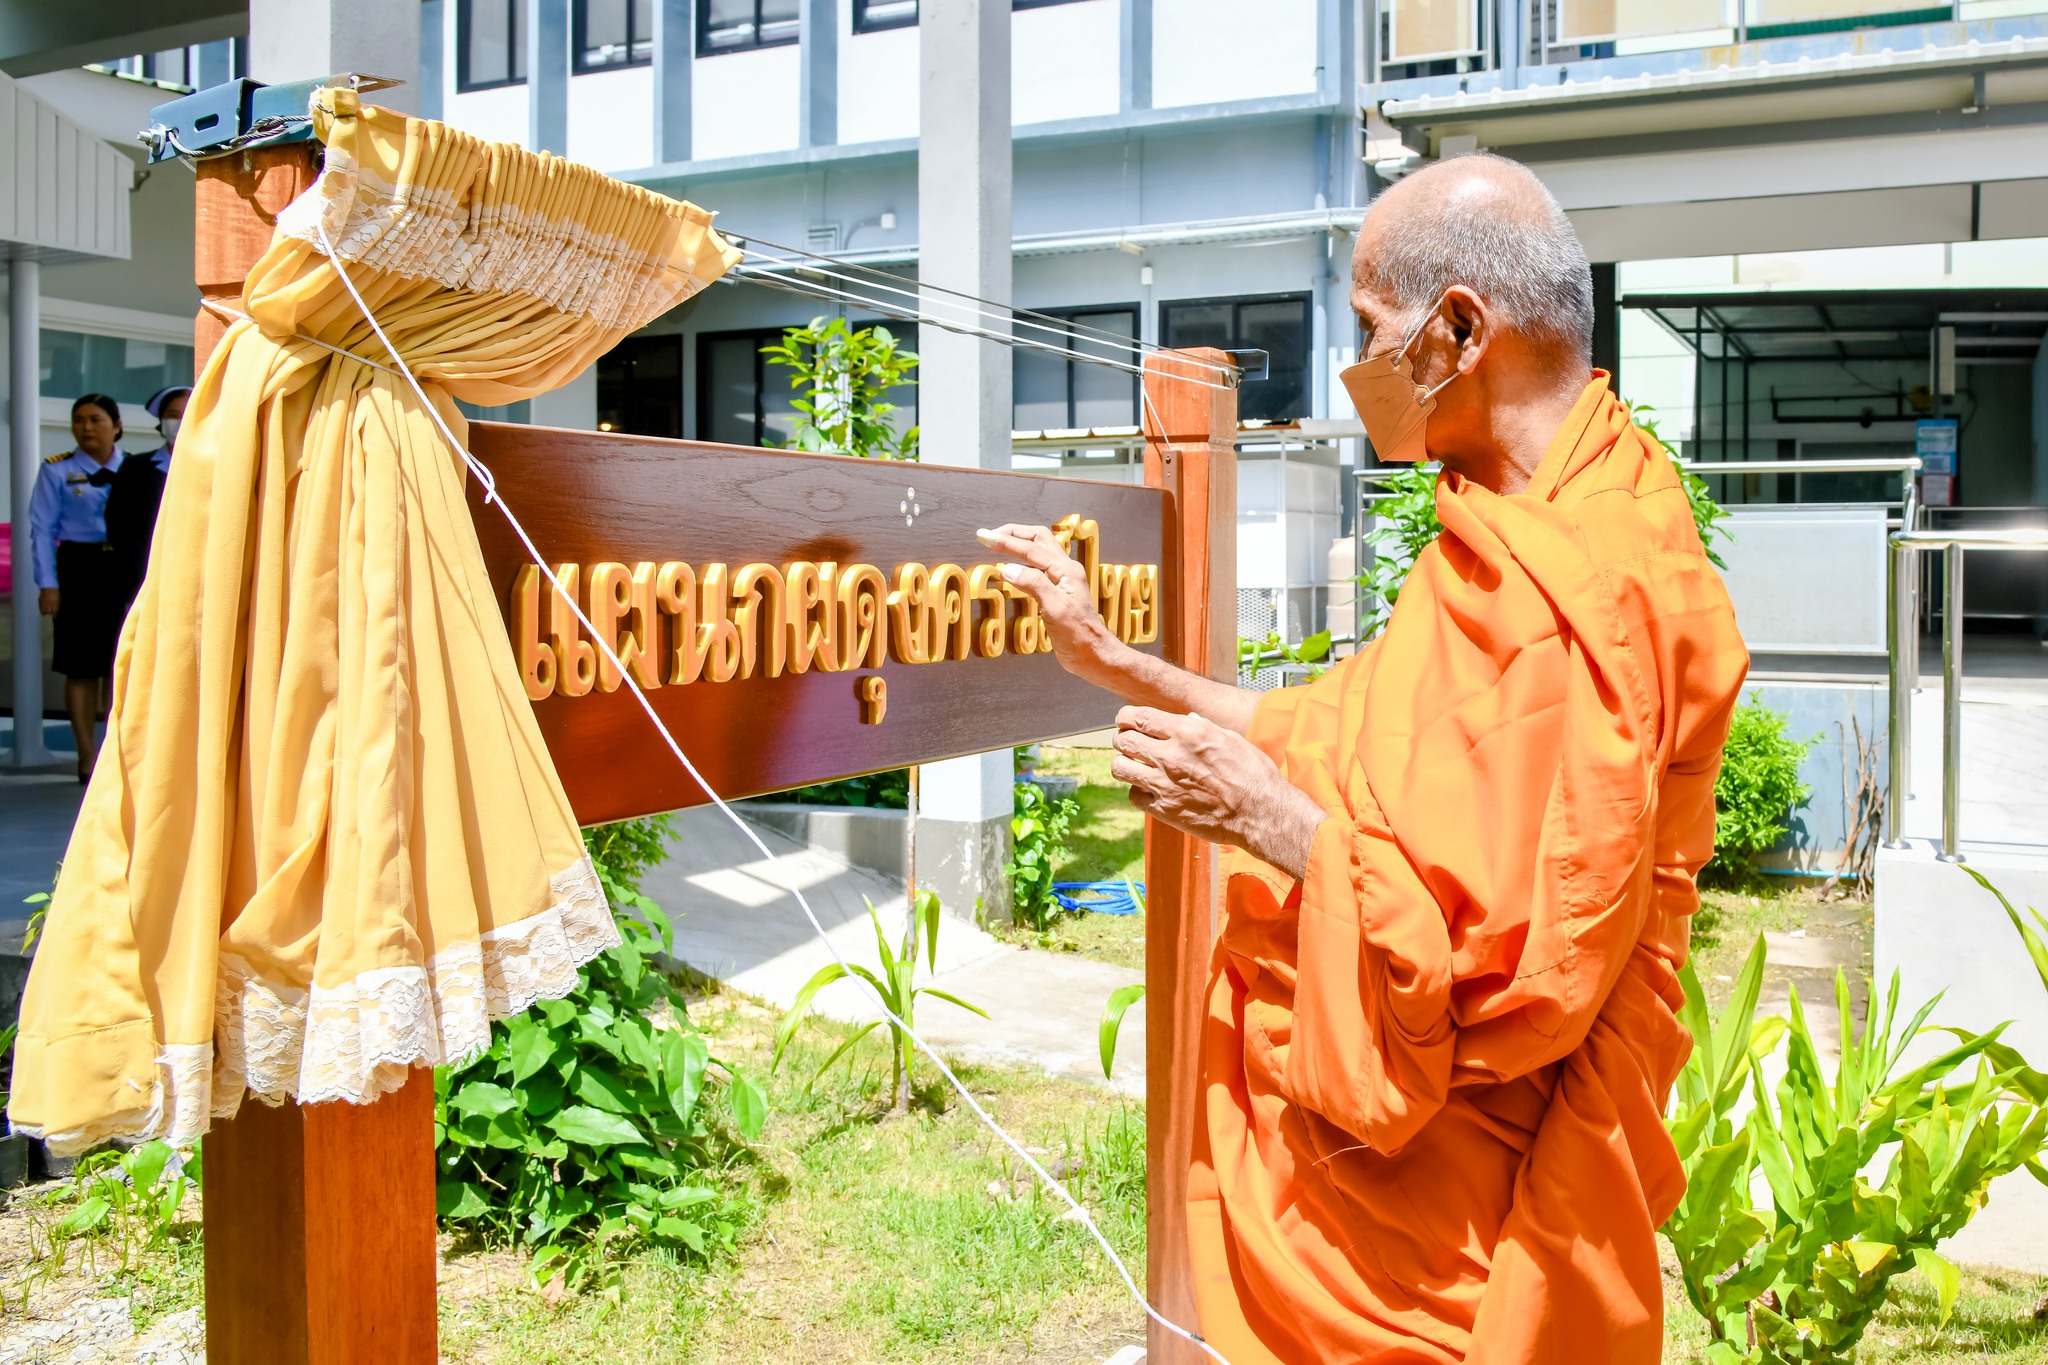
[90, 607]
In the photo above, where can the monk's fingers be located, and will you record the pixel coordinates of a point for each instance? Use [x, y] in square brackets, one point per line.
[1138, 775]
[1148, 720]
[1032, 582]
[1035, 545]
[1140, 748]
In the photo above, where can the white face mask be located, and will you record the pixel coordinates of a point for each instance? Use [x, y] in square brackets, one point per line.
[169, 426]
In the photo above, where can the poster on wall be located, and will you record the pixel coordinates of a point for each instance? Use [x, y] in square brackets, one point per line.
[1934, 441]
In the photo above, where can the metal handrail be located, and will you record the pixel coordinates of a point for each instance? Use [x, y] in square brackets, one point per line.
[1902, 585]
[1890, 464]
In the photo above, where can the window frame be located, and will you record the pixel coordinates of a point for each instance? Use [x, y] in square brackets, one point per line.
[703, 31]
[579, 24]
[628, 351]
[464, 21]
[863, 24]
[700, 366]
[1237, 303]
[1016, 5]
[1067, 315]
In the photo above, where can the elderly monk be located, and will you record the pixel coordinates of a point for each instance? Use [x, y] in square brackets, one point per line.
[1441, 1013]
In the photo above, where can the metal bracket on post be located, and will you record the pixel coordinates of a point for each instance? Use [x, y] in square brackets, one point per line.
[1901, 629]
[240, 115]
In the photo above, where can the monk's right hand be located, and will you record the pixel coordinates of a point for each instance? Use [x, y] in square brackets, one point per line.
[1066, 599]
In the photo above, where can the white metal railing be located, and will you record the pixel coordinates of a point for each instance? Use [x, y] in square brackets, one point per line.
[1903, 631]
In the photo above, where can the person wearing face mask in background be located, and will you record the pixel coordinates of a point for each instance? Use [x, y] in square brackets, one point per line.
[1441, 1018]
[78, 580]
[138, 492]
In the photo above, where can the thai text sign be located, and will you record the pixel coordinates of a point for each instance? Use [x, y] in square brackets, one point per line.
[793, 618]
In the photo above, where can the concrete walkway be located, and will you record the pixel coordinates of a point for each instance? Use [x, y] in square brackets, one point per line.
[734, 921]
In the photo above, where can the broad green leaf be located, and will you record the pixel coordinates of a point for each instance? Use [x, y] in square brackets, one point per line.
[637, 1037]
[684, 1058]
[749, 1106]
[459, 1199]
[483, 1098]
[820, 979]
[2036, 942]
[594, 1127]
[1120, 1000]
[681, 1230]
[1870, 1255]
[598, 1085]
[529, 1046]
[1947, 1280]
[540, 1095]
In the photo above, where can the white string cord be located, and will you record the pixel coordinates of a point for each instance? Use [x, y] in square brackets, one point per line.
[864, 274]
[905, 313]
[774, 862]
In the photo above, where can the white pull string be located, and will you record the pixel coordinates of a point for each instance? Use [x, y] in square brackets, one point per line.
[774, 861]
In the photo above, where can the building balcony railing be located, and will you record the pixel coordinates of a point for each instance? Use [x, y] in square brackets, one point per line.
[1419, 42]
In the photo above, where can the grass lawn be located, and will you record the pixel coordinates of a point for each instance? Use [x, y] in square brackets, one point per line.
[1106, 843]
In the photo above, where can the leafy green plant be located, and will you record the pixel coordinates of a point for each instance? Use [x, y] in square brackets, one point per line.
[895, 984]
[125, 1203]
[888, 790]
[1405, 525]
[1120, 1001]
[1038, 836]
[1801, 1280]
[1252, 655]
[845, 373]
[591, 1124]
[1757, 789]
[2034, 937]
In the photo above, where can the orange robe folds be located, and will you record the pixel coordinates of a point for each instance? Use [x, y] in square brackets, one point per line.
[1433, 1071]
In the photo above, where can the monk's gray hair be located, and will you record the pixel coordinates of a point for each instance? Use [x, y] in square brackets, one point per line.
[1518, 252]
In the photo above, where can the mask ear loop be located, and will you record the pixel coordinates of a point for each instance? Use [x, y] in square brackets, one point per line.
[1422, 395]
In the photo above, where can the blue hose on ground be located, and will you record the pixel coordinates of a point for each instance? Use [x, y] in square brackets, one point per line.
[1101, 898]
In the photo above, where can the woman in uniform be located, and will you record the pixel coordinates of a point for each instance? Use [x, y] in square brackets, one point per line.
[138, 492]
[75, 568]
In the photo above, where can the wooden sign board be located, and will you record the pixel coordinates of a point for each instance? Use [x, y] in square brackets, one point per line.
[795, 618]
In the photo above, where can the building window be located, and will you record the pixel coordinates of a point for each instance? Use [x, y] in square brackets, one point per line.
[490, 44]
[872, 16]
[613, 33]
[1037, 4]
[743, 400]
[640, 387]
[1276, 324]
[1052, 392]
[126, 369]
[740, 25]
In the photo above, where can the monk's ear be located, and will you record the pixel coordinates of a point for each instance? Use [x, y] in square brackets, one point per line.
[1472, 325]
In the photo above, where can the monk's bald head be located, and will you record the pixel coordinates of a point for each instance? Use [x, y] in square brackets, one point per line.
[1484, 222]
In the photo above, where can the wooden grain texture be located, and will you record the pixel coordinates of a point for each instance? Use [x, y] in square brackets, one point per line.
[585, 497]
[319, 1220]
[236, 203]
[1190, 452]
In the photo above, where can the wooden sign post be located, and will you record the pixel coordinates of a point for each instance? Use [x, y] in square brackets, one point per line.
[794, 619]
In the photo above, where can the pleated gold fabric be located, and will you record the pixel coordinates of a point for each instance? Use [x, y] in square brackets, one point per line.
[324, 842]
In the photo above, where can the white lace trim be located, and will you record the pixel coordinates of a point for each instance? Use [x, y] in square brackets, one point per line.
[478, 241]
[357, 1041]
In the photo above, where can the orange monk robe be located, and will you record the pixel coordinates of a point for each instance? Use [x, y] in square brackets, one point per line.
[1433, 1071]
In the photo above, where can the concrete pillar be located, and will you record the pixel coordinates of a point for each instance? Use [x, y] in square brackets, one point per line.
[24, 387]
[963, 204]
[433, 56]
[1135, 55]
[674, 54]
[547, 76]
[818, 74]
[296, 40]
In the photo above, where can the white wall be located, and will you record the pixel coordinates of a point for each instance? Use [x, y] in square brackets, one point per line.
[744, 102]
[878, 82]
[494, 115]
[611, 119]
[1065, 62]
[1209, 50]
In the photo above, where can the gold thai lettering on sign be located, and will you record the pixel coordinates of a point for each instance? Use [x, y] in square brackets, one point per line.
[673, 623]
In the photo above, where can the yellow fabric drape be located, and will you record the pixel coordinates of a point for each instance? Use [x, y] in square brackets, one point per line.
[324, 842]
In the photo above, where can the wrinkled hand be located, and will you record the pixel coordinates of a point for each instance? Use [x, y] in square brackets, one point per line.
[1215, 784]
[46, 601]
[1066, 599]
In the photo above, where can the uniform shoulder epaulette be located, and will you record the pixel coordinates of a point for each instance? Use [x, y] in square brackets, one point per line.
[59, 458]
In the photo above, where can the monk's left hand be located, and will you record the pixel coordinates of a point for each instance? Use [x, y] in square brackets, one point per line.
[1215, 784]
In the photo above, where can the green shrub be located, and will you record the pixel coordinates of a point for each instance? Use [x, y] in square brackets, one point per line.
[597, 1123]
[1038, 836]
[1758, 787]
[895, 984]
[845, 374]
[882, 791]
[1799, 1281]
